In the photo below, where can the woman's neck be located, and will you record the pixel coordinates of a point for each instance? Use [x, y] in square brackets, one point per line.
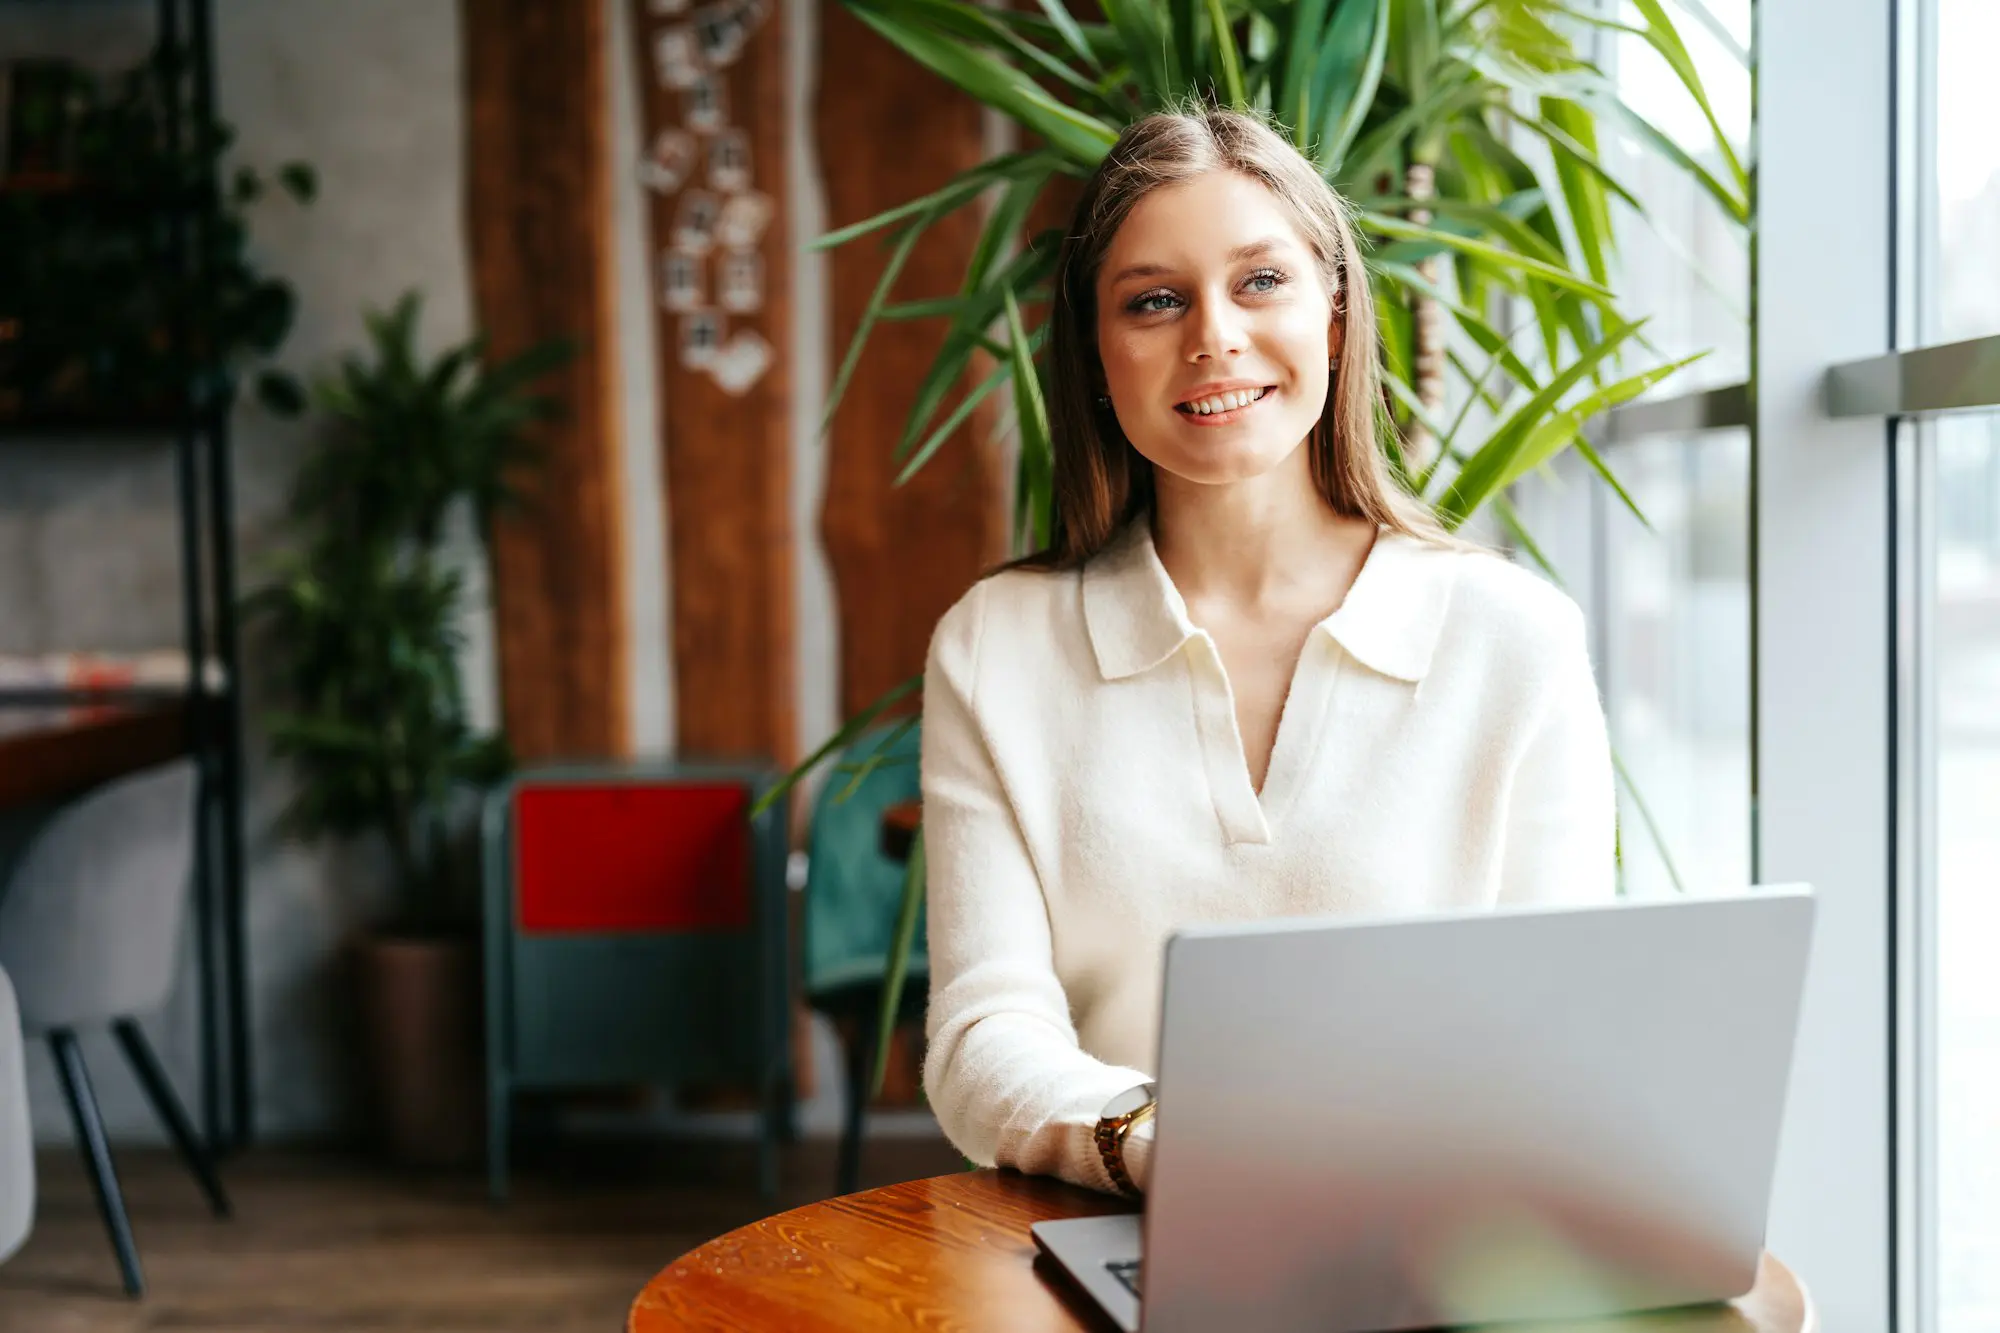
[1264, 542]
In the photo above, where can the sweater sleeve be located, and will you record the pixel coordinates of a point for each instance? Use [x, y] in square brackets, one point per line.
[1561, 838]
[1005, 1073]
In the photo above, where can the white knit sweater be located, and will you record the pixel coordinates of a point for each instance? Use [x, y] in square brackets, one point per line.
[1085, 793]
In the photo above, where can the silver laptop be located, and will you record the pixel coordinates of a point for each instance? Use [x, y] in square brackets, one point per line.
[1528, 1113]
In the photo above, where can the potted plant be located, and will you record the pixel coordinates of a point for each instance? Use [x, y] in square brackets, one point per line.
[1465, 133]
[361, 625]
[127, 286]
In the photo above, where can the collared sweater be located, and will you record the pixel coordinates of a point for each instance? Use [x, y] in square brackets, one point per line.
[1085, 793]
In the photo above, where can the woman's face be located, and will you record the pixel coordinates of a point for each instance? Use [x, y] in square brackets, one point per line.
[1215, 328]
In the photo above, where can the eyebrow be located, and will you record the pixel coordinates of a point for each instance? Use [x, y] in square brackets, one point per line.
[1254, 250]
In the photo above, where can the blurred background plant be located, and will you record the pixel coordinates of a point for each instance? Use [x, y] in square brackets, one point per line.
[361, 620]
[113, 307]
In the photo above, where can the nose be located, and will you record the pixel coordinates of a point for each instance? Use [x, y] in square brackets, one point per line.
[1215, 330]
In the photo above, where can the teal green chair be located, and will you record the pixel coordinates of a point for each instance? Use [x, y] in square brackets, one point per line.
[853, 890]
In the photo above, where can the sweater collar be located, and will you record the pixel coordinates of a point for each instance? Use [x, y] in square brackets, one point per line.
[1389, 622]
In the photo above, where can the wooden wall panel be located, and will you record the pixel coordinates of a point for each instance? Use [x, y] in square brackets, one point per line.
[888, 131]
[538, 217]
[713, 113]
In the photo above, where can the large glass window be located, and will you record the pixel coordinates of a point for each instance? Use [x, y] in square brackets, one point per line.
[1965, 675]
[1685, 261]
[1959, 299]
[1669, 596]
[1676, 670]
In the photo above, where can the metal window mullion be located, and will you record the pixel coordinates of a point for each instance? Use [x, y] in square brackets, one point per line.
[1915, 912]
[1822, 599]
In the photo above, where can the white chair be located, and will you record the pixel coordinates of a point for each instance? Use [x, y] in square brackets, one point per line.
[17, 1140]
[90, 929]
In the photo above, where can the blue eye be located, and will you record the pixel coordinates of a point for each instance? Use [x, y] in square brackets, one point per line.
[1146, 305]
[1265, 281]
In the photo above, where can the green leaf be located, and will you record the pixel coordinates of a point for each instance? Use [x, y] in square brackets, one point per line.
[1071, 32]
[850, 731]
[1032, 418]
[1228, 62]
[1551, 273]
[1003, 225]
[1183, 45]
[1142, 43]
[1346, 83]
[1495, 463]
[1293, 96]
[882, 754]
[1603, 470]
[1664, 39]
[1733, 202]
[1564, 146]
[1510, 519]
[1550, 435]
[897, 968]
[1373, 151]
[890, 272]
[955, 193]
[935, 307]
[980, 25]
[976, 312]
[1646, 816]
[965, 409]
[1002, 87]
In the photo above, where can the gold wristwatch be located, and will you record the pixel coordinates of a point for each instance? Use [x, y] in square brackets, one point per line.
[1123, 1114]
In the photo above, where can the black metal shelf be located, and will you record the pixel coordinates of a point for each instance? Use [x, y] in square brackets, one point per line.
[73, 696]
[198, 434]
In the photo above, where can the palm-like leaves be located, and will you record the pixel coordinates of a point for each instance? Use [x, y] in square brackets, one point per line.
[361, 620]
[1368, 89]
[414, 436]
[1420, 112]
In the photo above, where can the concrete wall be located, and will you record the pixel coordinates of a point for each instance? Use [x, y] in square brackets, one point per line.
[369, 92]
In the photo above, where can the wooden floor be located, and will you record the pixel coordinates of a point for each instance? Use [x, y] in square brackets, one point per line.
[328, 1242]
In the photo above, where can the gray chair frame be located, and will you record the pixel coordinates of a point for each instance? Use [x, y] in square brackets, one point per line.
[66, 891]
[17, 1135]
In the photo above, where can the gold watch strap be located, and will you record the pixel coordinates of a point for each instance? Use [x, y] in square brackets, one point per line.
[1114, 1129]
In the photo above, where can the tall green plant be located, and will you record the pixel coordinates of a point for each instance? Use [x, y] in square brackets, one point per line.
[361, 619]
[1418, 112]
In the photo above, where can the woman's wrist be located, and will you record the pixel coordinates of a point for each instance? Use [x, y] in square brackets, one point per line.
[1122, 1116]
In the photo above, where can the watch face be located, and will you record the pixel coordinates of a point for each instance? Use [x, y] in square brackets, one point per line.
[1130, 1101]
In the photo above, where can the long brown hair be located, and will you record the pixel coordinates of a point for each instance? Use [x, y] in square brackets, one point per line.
[1101, 482]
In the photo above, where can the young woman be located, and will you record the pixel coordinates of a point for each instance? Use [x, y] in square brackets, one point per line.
[1249, 677]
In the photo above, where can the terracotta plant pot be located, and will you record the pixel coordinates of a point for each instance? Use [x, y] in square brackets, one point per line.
[419, 1004]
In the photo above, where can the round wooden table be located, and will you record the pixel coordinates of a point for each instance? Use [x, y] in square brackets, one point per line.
[953, 1252]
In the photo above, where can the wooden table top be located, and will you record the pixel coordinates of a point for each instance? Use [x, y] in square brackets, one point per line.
[79, 748]
[954, 1252]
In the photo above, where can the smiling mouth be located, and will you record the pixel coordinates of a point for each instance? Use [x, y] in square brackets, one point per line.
[1222, 406]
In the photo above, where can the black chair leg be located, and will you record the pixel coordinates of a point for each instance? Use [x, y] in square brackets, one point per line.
[858, 1069]
[97, 1151]
[139, 1052]
[770, 1136]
